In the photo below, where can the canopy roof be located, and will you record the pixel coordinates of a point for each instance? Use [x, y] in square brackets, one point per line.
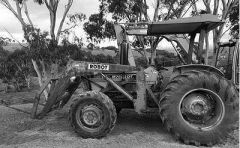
[179, 26]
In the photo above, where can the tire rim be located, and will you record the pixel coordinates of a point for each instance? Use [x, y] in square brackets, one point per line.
[202, 109]
[90, 117]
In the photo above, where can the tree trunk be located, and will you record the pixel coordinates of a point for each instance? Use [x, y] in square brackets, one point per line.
[44, 72]
[36, 68]
[153, 54]
[27, 14]
[45, 75]
[154, 49]
[145, 55]
[52, 25]
[200, 46]
[155, 41]
[207, 48]
[67, 7]
[215, 47]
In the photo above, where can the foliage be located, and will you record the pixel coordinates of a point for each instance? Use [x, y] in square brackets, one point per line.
[4, 41]
[141, 62]
[166, 59]
[176, 8]
[81, 55]
[15, 67]
[113, 48]
[166, 62]
[225, 62]
[73, 21]
[39, 43]
[76, 18]
[163, 59]
[234, 19]
[122, 9]
[165, 53]
[41, 49]
[99, 28]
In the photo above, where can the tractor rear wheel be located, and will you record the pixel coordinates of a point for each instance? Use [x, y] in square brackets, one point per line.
[199, 107]
[92, 115]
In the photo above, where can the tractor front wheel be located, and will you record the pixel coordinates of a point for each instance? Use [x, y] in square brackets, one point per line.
[92, 115]
[199, 108]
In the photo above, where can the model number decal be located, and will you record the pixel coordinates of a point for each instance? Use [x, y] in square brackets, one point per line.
[98, 67]
[122, 76]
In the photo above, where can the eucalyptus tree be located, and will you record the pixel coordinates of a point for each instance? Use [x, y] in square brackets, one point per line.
[19, 8]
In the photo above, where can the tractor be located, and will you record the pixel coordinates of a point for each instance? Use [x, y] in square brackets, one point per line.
[196, 103]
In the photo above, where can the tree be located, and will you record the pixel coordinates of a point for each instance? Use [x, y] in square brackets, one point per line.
[52, 6]
[31, 33]
[234, 19]
[99, 28]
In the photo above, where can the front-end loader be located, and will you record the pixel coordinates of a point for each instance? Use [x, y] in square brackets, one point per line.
[196, 103]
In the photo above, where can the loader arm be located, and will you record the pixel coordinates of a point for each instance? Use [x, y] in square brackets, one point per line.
[77, 71]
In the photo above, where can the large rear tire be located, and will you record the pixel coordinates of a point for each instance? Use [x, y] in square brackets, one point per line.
[200, 108]
[92, 115]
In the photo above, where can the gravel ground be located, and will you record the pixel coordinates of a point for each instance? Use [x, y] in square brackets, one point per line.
[131, 130]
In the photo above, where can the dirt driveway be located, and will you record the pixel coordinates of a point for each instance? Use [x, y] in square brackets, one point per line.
[132, 130]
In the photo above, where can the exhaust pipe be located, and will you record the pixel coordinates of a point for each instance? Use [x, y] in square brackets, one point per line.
[124, 47]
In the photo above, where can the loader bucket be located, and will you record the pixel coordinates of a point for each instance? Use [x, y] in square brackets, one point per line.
[59, 94]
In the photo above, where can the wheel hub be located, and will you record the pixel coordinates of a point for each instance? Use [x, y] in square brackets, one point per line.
[202, 108]
[196, 104]
[199, 106]
[91, 115]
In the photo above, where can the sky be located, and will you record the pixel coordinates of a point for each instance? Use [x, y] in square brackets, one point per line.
[40, 17]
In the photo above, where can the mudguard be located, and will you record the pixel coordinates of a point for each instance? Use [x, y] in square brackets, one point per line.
[181, 69]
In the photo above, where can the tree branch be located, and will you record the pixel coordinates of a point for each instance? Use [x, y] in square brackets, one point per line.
[47, 4]
[19, 9]
[9, 7]
[193, 5]
[144, 5]
[26, 13]
[156, 11]
[207, 4]
[224, 4]
[227, 7]
[67, 7]
[169, 11]
[216, 5]
[67, 29]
